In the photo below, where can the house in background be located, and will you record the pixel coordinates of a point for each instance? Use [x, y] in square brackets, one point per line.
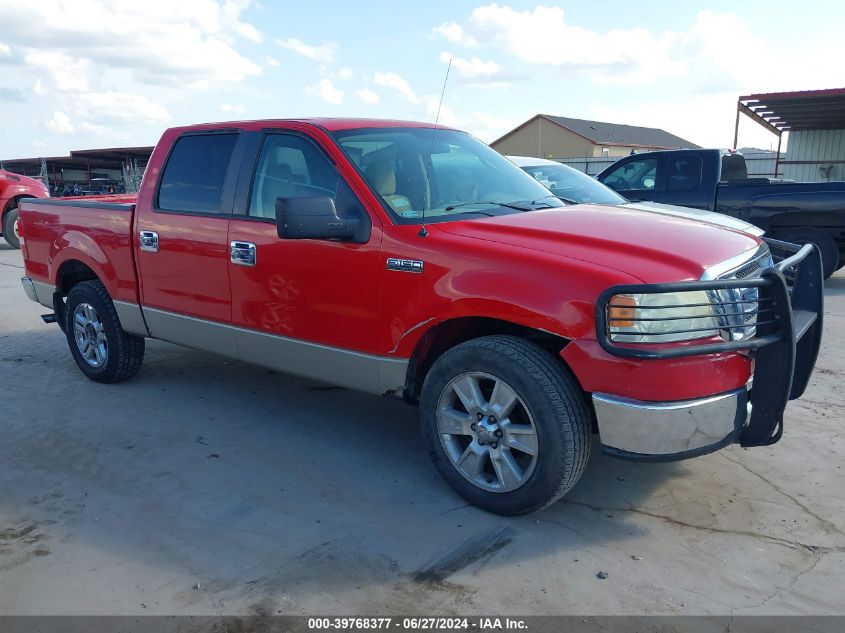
[546, 136]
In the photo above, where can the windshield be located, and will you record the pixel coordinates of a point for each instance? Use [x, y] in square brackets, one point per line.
[423, 174]
[573, 185]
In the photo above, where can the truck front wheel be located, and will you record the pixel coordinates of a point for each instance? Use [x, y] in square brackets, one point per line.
[10, 229]
[98, 344]
[506, 424]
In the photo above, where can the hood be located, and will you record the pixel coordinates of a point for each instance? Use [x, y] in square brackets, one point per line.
[719, 219]
[652, 247]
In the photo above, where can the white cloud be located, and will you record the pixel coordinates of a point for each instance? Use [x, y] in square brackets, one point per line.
[272, 61]
[119, 106]
[191, 42]
[67, 74]
[345, 73]
[325, 90]
[367, 96]
[397, 83]
[455, 33]
[60, 124]
[473, 69]
[38, 88]
[322, 53]
[703, 55]
[5, 50]
[231, 108]
[543, 37]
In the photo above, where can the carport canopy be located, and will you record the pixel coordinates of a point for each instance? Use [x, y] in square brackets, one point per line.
[792, 111]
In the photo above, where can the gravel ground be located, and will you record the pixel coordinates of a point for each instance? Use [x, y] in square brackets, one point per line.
[205, 486]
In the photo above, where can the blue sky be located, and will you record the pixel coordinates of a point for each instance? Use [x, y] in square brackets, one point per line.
[99, 73]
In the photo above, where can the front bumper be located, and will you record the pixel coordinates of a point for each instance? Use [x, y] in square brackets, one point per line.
[784, 347]
[668, 431]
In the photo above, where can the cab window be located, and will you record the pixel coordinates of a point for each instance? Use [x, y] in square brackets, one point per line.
[684, 173]
[636, 175]
[193, 178]
[290, 167]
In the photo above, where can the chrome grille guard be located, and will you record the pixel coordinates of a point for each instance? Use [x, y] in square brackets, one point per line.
[785, 341]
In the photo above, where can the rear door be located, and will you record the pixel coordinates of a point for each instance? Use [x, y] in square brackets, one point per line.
[183, 252]
[636, 179]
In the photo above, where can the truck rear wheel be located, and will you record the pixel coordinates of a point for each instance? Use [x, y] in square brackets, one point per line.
[98, 344]
[507, 426]
[10, 228]
[824, 242]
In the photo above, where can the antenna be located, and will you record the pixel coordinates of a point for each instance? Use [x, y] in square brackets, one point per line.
[423, 232]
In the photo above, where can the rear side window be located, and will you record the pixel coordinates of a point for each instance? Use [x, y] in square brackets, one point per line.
[684, 173]
[195, 172]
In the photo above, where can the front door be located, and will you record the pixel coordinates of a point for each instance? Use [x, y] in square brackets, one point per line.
[306, 306]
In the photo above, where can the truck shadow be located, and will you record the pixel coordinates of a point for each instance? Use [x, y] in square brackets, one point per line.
[263, 484]
[835, 286]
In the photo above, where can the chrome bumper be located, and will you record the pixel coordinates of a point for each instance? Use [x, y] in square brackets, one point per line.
[667, 431]
[39, 292]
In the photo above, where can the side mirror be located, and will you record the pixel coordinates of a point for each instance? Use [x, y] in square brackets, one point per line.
[314, 217]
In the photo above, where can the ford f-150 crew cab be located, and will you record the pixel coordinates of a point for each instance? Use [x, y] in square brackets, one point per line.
[408, 260]
[717, 180]
[13, 189]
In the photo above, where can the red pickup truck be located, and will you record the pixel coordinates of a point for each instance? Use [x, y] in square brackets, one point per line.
[13, 189]
[412, 261]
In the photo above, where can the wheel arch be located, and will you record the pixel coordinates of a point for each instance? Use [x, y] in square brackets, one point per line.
[69, 273]
[446, 334]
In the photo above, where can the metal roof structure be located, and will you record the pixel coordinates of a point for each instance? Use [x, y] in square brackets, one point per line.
[601, 133]
[798, 110]
[84, 160]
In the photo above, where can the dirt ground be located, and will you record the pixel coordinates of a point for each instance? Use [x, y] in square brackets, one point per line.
[205, 486]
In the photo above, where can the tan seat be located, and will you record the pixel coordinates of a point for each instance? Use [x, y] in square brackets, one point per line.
[383, 178]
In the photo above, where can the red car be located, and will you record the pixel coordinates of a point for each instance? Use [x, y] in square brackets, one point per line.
[13, 189]
[410, 261]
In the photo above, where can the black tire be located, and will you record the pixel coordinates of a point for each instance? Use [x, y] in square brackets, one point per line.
[124, 352]
[825, 243]
[9, 220]
[551, 395]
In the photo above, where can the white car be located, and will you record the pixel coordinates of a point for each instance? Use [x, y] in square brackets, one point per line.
[576, 187]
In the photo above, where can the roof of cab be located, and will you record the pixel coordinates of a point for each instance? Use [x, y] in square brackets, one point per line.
[328, 124]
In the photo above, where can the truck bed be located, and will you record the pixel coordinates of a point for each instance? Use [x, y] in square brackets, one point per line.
[88, 232]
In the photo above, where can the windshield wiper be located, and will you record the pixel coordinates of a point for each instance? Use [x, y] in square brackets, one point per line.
[493, 202]
[468, 211]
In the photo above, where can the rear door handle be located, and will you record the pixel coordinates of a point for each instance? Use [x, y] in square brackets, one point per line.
[149, 241]
[242, 253]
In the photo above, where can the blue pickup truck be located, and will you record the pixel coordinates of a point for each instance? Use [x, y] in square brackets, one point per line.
[717, 180]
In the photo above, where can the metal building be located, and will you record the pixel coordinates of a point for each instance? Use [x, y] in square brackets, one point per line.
[815, 122]
[86, 172]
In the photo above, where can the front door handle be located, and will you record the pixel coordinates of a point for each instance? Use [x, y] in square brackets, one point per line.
[149, 241]
[242, 253]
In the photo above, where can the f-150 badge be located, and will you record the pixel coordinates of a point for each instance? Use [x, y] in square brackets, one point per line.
[404, 265]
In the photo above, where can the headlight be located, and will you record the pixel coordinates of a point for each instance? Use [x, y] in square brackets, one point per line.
[664, 317]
